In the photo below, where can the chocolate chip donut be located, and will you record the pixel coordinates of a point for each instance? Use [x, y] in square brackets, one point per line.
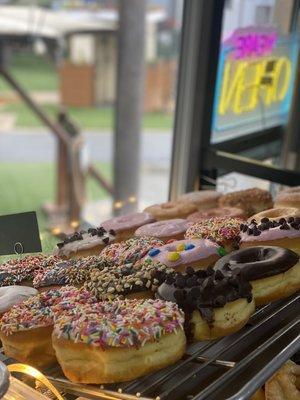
[273, 272]
[281, 232]
[215, 305]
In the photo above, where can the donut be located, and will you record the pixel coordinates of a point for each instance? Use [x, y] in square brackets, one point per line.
[203, 199]
[140, 280]
[68, 272]
[11, 295]
[282, 233]
[124, 226]
[84, 243]
[285, 384]
[25, 330]
[273, 272]
[223, 231]
[219, 212]
[276, 214]
[164, 230]
[252, 201]
[171, 210]
[130, 250]
[288, 198]
[198, 253]
[118, 341]
[22, 270]
[214, 305]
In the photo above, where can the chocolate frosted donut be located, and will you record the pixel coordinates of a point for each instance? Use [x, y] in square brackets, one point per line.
[215, 304]
[273, 272]
[164, 230]
[124, 226]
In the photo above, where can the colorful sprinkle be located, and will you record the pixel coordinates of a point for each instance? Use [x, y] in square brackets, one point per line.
[153, 252]
[189, 246]
[173, 256]
[181, 247]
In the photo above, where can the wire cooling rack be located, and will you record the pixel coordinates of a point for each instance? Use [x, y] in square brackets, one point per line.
[231, 368]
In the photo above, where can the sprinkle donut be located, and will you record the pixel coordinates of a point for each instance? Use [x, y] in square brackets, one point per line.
[171, 210]
[223, 231]
[124, 226]
[130, 250]
[252, 201]
[119, 340]
[84, 243]
[220, 212]
[137, 281]
[197, 253]
[25, 330]
[164, 230]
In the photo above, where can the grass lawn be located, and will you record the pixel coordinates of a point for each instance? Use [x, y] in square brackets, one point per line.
[38, 74]
[28, 186]
[86, 118]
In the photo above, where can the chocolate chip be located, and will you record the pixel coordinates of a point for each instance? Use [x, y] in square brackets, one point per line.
[105, 240]
[290, 220]
[285, 227]
[253, 222]
[256, 232]
[297, 220]
[180, 281]
[190, 270]
[263, 227]
[195, 292]
[218, 275]
[250, 231]
[170, 279]
[179, 295]
[220, 301]
[264, 220]
[92, 231]
[112, 232]
[101, 231]
[210, 271]
[60, 245]
[242, 227]
[282, 221]
[227, 267]
[295, 226]
[201, 273]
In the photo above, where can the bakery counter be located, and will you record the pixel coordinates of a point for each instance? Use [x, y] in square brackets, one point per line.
[233, 367]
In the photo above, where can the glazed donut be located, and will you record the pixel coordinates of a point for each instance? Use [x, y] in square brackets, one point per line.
[219, 212]
[223, 231]
[197, 253]
[273, 272]
[129, 251]
[282, 233]
[124, 226]
[214, 305]
[276, 214]
[284, 385]
[25, 330]
[119, 341]
[288, 198]
[11, 295]
[22, 270]
[68, 272]
[84, 243]
[203, 199]
[164, 230]
[131, 281]
[252, 201]
[171, 210]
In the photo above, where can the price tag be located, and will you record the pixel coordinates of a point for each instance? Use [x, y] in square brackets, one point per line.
[19, 233]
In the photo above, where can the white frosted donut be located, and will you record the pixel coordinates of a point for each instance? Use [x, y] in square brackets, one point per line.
[11, 295]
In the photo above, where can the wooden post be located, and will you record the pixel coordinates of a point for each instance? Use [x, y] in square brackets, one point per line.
[129, 105]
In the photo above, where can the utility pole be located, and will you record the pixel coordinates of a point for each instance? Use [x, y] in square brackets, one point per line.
[129, 104]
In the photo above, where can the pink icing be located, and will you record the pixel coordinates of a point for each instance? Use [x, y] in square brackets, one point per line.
[170, 227]
[203, 248]
[129, 221]
[271, 234]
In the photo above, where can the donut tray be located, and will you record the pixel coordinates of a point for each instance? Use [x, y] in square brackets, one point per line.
[231, 368]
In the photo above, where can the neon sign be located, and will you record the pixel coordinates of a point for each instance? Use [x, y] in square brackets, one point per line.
[255, 81]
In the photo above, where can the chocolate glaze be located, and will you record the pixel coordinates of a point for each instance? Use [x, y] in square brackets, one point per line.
[204, 290]
[258, 262]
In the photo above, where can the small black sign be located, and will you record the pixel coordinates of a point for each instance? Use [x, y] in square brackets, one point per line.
[19, 233]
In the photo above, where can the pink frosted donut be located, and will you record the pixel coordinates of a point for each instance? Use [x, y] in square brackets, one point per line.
[125, 225]
[164, 230]
[179, 254]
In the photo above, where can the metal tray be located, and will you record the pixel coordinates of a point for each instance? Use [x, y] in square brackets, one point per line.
[231, 368]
